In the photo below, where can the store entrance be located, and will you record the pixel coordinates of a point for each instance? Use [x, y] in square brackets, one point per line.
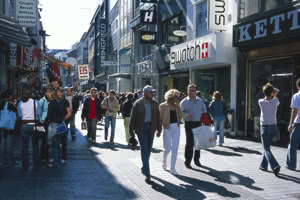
[282, 74]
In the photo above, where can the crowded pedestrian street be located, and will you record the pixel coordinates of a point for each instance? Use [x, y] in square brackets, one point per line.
[99, 172]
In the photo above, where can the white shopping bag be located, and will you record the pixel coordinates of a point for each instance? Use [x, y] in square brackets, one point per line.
[204, 137]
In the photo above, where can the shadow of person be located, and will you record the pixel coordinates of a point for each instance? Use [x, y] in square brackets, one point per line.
[243, 150]
[230, 177]
[223, 153]
[193, 187]
[154, 150]
[288, 178]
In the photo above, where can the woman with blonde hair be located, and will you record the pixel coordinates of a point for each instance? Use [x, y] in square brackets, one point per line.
[171, 117]
[218, 110]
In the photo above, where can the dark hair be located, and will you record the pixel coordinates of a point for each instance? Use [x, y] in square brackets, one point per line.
[27, 94]
[192, 86]
[268, 89]
[6, 94]
[217, 96]
[298, 82]
[112, 92]
[129, 96]
[60, 89]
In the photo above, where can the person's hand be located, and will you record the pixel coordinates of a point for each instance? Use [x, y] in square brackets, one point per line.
[290, 128]
[190, 116]
[158, 134]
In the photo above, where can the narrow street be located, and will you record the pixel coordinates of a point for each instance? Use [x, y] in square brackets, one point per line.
[98, 172]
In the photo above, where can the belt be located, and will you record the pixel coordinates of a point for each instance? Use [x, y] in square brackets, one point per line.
[28, 121]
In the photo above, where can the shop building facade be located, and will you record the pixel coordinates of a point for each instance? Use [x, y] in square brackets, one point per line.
[268, 41]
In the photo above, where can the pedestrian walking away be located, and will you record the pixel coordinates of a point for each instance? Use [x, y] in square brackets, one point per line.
[294, 129]
[74, 103]
[91, 113]
[171, 117]
[268, 126]
[126, 112]
[26, 113]
[192, 108]
[218, 110]
[145, 122]
[111, 106]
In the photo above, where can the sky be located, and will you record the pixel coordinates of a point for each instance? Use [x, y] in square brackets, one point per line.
[66, 21]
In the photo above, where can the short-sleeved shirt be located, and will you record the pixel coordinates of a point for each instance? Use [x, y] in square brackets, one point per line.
[268, 111]
[195, 108]
[296, 105]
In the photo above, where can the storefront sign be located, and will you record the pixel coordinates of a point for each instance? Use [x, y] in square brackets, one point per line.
[83, 72]
[26, 12]
[148, 16]
[191, 51]
[13, 54]
[28, 58]
[280, 26]
[148, 37]
[217, 15]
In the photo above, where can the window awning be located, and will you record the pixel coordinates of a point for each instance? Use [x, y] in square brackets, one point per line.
[11, 31]
[65, 65]
[120, 75]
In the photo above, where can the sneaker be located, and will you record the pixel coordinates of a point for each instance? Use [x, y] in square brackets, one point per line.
[50, 165]
[51, 160]
[105, 137]
[90, 139]
[263, 169]
[187, 165]
[276, 170]
[63, 161]
[148, 180]
[198, 164]
[164, 166]
[293, 169]
[173, 171]
[220, 145]
[94, 141]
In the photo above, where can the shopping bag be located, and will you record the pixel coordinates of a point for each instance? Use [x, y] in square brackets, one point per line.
[204, 137]
[7, 119]
[61, 128]
[83, 125]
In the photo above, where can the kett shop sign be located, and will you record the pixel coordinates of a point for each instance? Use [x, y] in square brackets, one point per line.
[281, 26]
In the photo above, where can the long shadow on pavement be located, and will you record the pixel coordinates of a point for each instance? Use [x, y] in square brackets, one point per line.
[230, 177]
[192, 189]
[223, 153]
[243, 150]
[289, 178]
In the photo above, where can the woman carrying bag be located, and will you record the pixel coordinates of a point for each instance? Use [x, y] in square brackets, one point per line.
[171, 117]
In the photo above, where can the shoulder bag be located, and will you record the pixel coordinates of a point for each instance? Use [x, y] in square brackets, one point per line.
[38, 127]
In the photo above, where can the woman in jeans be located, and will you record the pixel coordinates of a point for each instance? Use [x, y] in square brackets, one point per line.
[171, 117]
[218, 110]
[28, 115]
[8, 136]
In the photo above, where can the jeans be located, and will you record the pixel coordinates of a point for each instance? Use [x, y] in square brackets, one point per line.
[292, 150]
[8, 144]
[126, 125]
[55, 150]
[146, 142]
[189, 147]
[219, 123]
[267, 133]
[92, 128]
[27, 133]
[110, 120]
[171, 142]
[71, 121]
[44, 149]
[64, 142]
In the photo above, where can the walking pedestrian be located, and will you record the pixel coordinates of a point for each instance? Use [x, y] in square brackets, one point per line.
[294, 129]
[171, 117]
[145, 122]
[9, 137]
[268, 126]
[44, 102]
[126, 112]
[91, 113]
[218, 110]
[29, 111]
[192, 107]
[111, 106]
[74, 103]
[65, 111]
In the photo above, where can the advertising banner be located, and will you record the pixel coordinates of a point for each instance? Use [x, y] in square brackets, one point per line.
[30, 58]
[26, 12]
[148, 37]
[83, 72]
[218, 15]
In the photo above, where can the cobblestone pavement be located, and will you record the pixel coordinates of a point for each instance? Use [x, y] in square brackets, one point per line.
[99, 172]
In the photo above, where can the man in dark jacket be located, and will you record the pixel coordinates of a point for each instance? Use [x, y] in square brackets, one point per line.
[126, 111]
[91, 112]
[145, 122]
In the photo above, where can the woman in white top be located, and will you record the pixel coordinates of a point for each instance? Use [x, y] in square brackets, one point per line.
[27, 112]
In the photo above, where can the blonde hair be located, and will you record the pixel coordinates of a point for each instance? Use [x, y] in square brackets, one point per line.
[52, 95]
[171, 95]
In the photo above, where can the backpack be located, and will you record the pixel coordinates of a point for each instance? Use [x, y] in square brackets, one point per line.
[7, 119]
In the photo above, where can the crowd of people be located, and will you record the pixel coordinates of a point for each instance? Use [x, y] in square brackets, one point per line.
[45, 120]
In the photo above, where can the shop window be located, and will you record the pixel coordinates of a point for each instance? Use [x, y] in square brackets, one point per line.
[273, 4]
[248, 7]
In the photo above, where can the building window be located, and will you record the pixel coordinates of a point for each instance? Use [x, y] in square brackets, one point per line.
[201, 19]
[171, 25]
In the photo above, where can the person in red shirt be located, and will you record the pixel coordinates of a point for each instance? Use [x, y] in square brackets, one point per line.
[92, 113]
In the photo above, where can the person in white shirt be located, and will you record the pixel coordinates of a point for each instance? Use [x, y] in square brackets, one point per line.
[268, 126]
[294, 129]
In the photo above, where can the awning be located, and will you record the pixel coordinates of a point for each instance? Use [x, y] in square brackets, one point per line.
[65, 65]
[120, 75]
[11, 31]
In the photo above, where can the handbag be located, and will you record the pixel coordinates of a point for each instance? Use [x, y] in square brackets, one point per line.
[7, 119]
[204, 137]
[83, 125]
[61, 128]
[38, 127]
